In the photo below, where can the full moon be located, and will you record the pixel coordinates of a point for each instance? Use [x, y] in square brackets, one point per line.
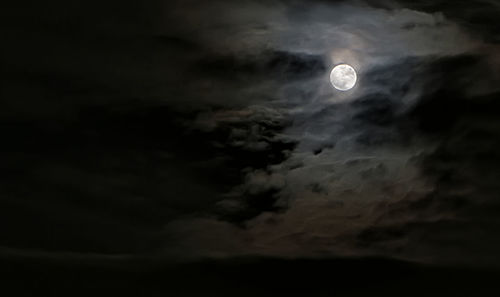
[343, 77]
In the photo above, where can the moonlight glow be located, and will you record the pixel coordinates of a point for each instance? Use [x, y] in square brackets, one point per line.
[343, 77]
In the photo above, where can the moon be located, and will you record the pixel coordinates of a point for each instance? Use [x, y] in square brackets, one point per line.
[343, 77]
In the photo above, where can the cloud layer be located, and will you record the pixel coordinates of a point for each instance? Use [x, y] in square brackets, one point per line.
[195, 129]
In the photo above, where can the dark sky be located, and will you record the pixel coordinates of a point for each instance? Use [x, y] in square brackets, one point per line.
[158, 146]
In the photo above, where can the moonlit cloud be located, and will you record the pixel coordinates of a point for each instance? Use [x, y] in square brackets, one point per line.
[210, 128]
[352, 161]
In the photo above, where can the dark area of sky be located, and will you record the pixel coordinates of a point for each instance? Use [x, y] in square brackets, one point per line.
[197, 148]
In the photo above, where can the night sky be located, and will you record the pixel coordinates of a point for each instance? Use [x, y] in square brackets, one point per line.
[198, 148]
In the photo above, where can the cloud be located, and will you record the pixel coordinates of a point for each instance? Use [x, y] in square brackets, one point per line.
[216, 121]
[353, 183]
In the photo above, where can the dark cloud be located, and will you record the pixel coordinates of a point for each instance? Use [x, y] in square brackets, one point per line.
[477, 16]
[246, 276]
[191, 129]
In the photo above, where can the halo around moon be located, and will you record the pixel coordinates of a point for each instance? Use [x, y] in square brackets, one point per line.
[343, 77]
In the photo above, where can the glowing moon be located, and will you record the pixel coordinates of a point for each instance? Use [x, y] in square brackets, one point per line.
[343, 77]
